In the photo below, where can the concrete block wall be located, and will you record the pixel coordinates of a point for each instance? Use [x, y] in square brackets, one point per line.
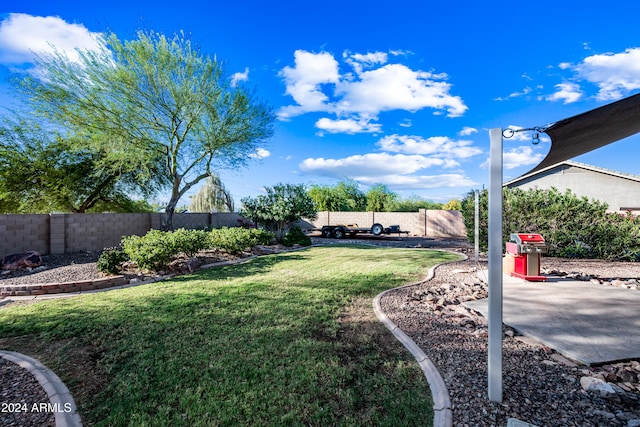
[191, 220]
[21, 233]
[225, 219]
[95, 231]
[68, 233]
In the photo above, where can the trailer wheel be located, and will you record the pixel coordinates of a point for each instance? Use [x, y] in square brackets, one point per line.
[338, 233]
[377, 229]
[326, 233]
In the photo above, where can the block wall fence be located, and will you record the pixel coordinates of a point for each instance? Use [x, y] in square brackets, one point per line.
[69, 233]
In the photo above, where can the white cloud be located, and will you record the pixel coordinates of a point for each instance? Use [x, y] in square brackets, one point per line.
[304, 82]
[527, 90]
[519, 156]
[397, 87]
[349, 126]
[400, 164]
[467, 130]
[317, 85]
[413, 182]
[371, 164]
[23, 36]
[260, 153]
[240, 77]
[567, 92]
[614, 74]
[359, 61]
[438, 146]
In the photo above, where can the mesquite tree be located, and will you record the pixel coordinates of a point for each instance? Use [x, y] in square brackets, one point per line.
[154, 104]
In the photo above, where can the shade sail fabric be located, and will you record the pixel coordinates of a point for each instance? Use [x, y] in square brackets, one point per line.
[588, 131]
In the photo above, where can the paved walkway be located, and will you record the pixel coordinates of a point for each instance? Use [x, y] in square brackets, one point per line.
[591, 324]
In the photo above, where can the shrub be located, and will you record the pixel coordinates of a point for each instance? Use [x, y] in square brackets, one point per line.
[189, 242]
[294, 236]
[110, 260]
[572, 226]
[235, 240]
[152, 251]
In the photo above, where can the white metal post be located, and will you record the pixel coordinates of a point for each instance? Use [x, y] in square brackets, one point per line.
[476, 236]
[495, 266]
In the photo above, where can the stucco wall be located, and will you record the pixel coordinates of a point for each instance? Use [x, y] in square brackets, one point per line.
[617, 191]
[424, 223]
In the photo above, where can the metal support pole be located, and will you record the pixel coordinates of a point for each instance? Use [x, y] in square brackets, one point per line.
[495, 266]
[477, 225]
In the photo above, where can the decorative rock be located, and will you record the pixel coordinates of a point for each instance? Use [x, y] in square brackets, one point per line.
[596, 385]
[627, 376]
[22, 260]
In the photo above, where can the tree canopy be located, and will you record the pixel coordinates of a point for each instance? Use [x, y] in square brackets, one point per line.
[279, 208]
[345, 196]
[40, 172]
[380, 199]
[154, 106]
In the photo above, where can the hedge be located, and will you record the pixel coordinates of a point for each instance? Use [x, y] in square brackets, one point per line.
[572, 226]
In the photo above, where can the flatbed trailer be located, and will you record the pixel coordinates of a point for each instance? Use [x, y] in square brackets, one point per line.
[342, 230]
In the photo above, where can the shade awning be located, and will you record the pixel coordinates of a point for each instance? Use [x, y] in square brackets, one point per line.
[588, 131]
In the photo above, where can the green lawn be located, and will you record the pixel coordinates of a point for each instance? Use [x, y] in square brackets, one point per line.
[286, 339]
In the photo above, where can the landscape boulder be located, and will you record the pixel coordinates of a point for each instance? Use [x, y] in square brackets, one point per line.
[29, 259]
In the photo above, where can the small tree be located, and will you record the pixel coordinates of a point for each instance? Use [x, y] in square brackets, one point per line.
[345, 196]
[380, 199]
[279, 208]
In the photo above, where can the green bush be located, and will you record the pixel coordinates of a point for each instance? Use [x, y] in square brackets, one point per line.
[572, 226]
[110, 260]
[237, 239]
[153, 251]
[188, 242]
[295, 236]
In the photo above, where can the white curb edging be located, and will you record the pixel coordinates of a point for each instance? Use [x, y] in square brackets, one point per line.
[443, 416]
[59, 395]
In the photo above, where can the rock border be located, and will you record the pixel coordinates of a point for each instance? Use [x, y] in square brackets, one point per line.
[66, 287]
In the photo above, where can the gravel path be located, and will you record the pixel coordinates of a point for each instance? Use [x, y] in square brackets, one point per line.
[540, 386]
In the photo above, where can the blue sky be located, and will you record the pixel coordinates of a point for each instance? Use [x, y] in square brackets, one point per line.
[401, 93]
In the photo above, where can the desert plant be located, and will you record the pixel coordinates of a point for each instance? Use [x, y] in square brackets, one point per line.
[571, 225]
[110, 260]
[151, 251]
[236, 239]
[295, 236]
[188, 242]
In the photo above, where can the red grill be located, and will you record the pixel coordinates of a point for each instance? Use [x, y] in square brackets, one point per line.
[527, 248]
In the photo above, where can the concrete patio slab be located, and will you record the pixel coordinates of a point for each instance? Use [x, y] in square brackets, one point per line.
[591, 324]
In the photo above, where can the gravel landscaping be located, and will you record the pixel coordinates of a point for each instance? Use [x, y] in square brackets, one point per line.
[540, 386]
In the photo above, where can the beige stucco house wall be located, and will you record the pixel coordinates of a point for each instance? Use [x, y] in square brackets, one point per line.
[619, 190]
